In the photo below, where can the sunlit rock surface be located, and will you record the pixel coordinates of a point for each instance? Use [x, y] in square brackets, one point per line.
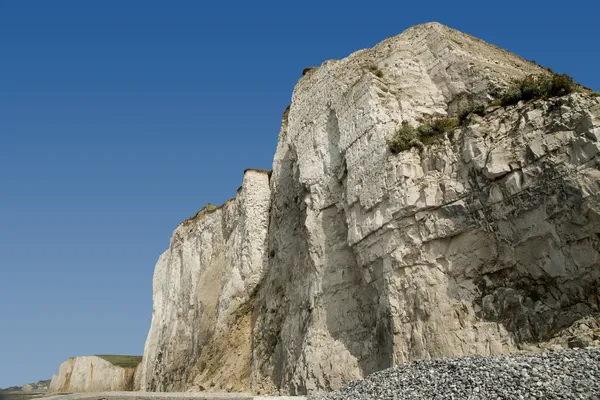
[348, 259]
[91, 374]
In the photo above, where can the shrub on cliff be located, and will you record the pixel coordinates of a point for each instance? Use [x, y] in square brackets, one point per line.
[432, 130]
[539, 87]
[428, 132]
[471, 109]
[405, 138]
[562, 84]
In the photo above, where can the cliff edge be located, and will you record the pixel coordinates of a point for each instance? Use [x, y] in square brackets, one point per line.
[349, 258]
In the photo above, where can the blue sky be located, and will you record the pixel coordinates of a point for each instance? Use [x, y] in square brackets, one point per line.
[119, 119]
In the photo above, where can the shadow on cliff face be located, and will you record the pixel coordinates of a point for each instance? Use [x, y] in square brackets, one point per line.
[353, 312]
[350, 299]
[551, 274]
[285, 282]
[542, 269]
[316, 309]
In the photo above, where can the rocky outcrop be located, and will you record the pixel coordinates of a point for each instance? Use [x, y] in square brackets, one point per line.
[91, 374]
[581, 334]
[351, 259]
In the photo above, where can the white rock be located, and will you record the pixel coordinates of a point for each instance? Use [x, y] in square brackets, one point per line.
[27, 388]
[203, 295]
[352, 259]
[91, 374]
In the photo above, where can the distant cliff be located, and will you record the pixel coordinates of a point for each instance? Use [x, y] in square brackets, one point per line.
[95, 374]
[350, 257]
[26, 392]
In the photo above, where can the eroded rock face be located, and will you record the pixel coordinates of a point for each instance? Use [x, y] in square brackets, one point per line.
[204, 288]
[91, 374]
[475, 245]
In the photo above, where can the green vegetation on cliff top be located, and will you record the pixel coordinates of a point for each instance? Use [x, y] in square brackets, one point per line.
[121, 361]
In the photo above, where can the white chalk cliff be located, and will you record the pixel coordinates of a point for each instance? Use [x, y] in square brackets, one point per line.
[347, 259]
[91, 374]
[204, 285]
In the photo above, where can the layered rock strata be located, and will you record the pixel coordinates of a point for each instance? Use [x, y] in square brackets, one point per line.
[349, 259]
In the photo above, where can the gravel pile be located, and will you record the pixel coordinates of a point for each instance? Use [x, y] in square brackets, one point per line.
[568, 374]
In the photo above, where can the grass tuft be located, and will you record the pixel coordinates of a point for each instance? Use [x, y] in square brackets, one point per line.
[307, 70]
[210, 208]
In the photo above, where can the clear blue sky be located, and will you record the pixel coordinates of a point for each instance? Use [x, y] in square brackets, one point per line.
[119, 119]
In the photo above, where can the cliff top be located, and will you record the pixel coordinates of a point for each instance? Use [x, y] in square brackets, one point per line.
[120, 360]
[429, 68]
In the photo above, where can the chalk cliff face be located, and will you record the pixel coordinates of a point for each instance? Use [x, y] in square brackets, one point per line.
[349, 259]
[204, 288]
[91, 374]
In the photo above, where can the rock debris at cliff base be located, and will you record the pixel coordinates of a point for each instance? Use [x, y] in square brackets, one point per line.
[568, 374]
